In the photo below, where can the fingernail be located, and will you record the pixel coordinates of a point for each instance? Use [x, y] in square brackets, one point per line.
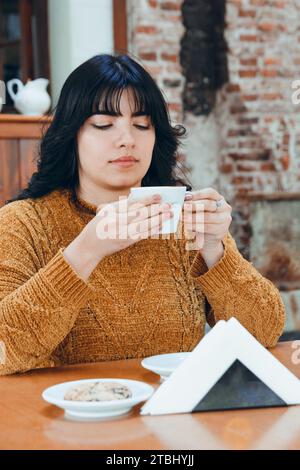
[188, 197]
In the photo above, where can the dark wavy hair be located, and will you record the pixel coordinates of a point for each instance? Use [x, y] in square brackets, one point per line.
[99, 83]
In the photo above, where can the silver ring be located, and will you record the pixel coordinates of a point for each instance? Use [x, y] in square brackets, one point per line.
[219, 204]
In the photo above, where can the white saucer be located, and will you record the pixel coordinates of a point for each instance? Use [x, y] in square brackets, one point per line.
[84, 410]
[164, 364]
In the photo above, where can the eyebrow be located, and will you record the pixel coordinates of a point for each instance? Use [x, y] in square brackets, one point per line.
[114, 113]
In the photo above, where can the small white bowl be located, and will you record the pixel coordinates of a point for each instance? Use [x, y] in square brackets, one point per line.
[164, 364]
[84, 410]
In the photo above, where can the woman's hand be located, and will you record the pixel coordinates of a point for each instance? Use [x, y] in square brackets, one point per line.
[124, 222]
[207, 216]
[116, 226]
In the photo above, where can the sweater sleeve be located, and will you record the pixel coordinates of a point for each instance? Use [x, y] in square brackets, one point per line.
[233, 287]
[38, 303]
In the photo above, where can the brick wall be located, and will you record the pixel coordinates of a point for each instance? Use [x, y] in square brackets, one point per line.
[254, 132]
[261, 138]
[251, 140]
[154, 32]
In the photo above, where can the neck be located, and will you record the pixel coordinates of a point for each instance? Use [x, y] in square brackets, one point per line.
[96, 196]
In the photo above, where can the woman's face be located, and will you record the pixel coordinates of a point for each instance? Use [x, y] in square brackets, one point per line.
[104, 138]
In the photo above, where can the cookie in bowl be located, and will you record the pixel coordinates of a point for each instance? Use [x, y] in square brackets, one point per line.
[98, 391]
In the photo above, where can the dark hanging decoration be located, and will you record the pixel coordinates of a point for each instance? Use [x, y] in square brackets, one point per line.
[203, 54]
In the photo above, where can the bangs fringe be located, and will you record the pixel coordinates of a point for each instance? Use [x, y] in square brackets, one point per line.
[107, 100]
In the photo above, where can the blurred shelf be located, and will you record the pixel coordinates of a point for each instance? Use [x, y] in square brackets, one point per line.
[18, 126]
[22, 118]
[274, 196]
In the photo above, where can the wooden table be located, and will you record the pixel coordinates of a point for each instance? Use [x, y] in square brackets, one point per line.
[28, 422]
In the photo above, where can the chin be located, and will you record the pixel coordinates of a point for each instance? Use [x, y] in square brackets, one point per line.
[122, 183]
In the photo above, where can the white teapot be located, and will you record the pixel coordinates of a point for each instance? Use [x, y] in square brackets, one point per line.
[31, 99]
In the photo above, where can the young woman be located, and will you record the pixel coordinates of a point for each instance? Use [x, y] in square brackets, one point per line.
[69, 296]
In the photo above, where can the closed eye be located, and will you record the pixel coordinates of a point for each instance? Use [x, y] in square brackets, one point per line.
[102, 127]
[142, 128]
[138, 126]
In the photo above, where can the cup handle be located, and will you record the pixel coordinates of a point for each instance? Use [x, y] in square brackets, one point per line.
[10, 87]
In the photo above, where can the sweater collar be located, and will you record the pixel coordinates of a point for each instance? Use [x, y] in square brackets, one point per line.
[82, 205]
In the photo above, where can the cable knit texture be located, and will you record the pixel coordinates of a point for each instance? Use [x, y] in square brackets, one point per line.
[153, 297]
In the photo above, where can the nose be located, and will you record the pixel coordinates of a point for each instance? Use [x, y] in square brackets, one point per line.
[126, 137]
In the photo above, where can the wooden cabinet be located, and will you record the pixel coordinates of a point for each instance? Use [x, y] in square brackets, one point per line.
[19, 144]
[24, 51]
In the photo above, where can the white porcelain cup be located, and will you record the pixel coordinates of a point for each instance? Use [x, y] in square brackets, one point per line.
[169, 194]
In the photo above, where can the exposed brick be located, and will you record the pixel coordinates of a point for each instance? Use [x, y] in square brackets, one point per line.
[238, 109]
[169, 57]
[248, 37]
[251, 61]
[240, 132]
[148, 55]
[147, 29]
[249, 144]
[272, 61]
[263, 155]
[280, 4]
[267, 26]
[233, 133]
[240, 180]
[175, 107]
[282, 27]
[170, 6]
[269, 119]
[247, 13]
[245, 167]
[271, 96]
[286, 139]
[268, 166]
[259, 3]
[249, 97]
[242, 192]
[233, 88]
[248, 120]
[269, 73]
[226, 168]
[247, 73]
[285, 162]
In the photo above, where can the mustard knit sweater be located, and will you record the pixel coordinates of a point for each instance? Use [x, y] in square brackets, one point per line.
[151, 298]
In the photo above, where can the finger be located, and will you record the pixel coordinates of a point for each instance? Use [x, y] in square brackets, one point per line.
[193, 228]
[207, 217]
[156, 228]
[218, 219]
[209, 229]
[132, 203]
[203, 205]
[150, 223]
[146, 212]
[206, 193]
[209, 206]
[125, 204]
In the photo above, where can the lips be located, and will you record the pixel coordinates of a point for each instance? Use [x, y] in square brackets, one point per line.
[124, 159]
